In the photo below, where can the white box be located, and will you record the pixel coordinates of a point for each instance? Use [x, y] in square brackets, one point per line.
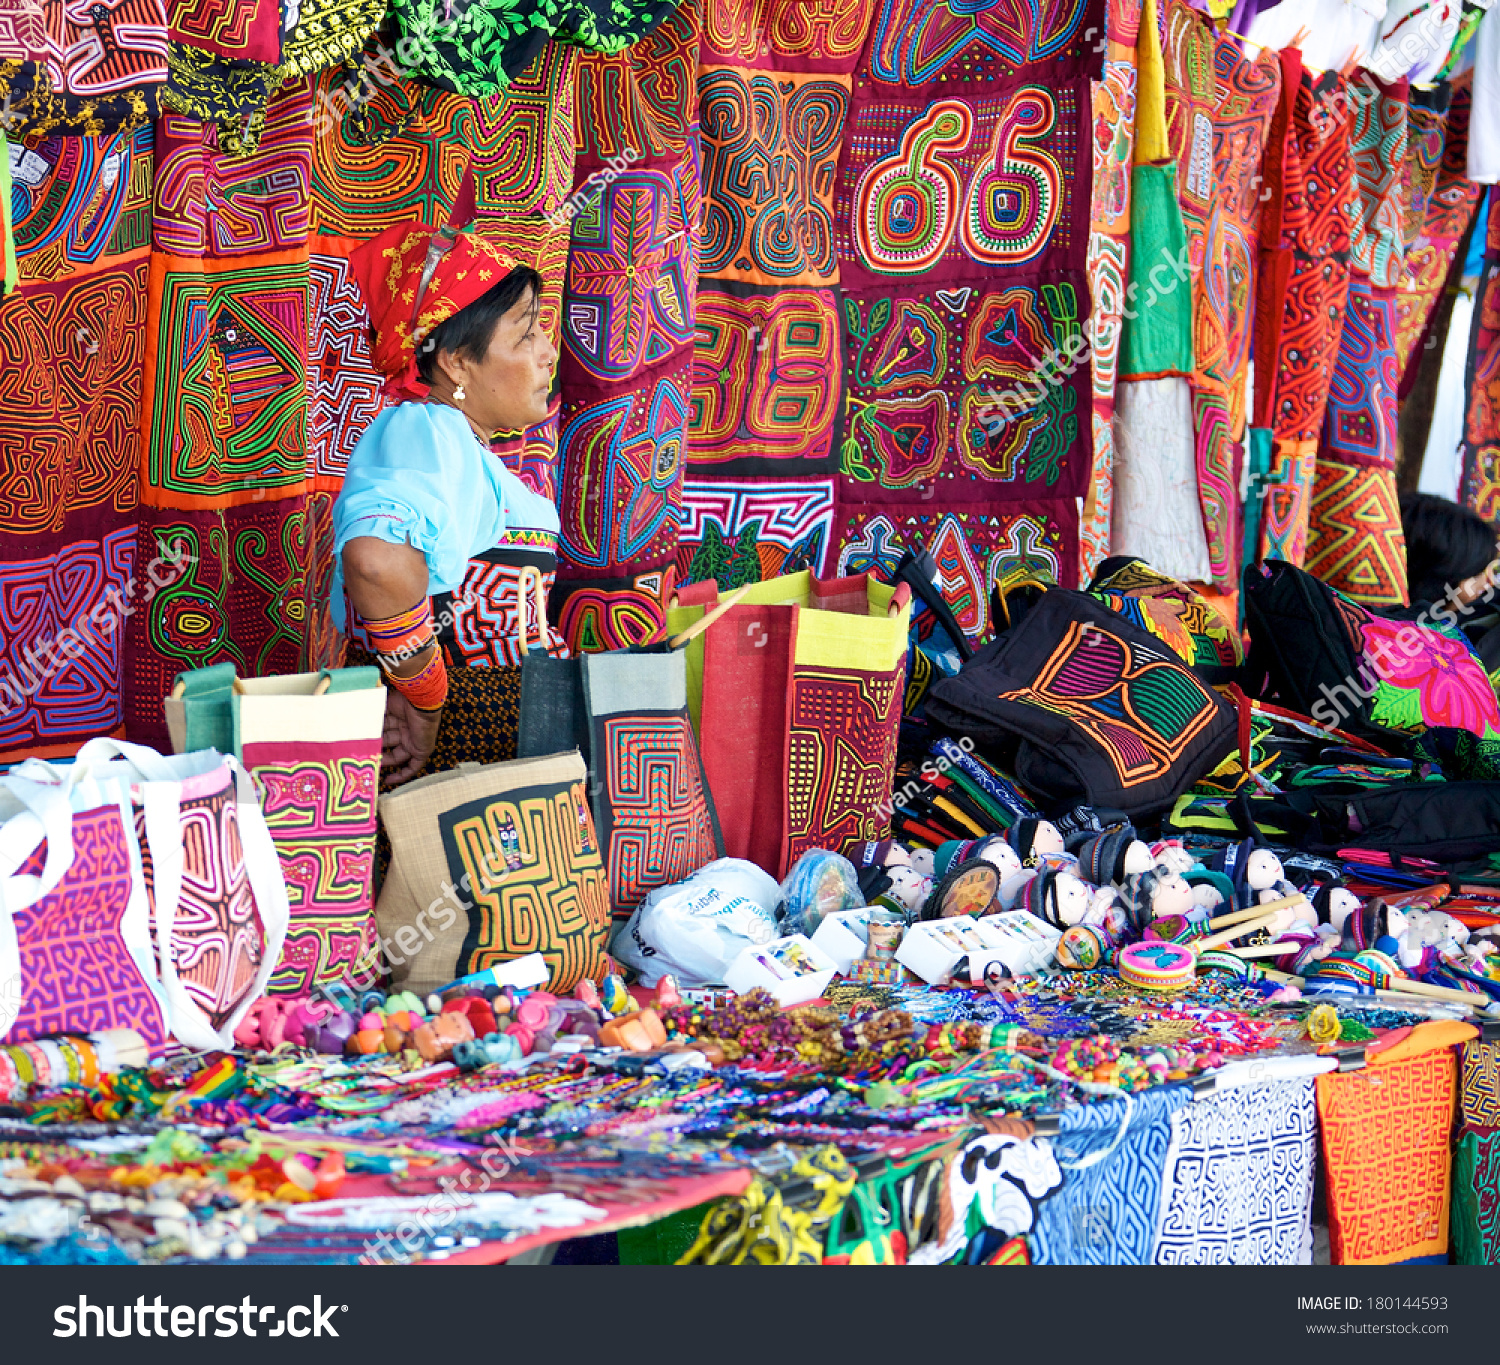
[844, 936]
[1023, 942]
[750, 970]
[932, 948]
[1017, 939]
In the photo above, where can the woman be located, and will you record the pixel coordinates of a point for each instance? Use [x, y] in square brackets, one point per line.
[434, 537]
[1447, 546]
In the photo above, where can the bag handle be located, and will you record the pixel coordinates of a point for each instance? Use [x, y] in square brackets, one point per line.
[47, 814]
[708, 618]
[532, 575]
[146, 761]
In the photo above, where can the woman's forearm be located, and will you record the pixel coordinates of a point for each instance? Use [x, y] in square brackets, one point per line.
[383, 580]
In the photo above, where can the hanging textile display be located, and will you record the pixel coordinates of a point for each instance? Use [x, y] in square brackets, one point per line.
[1381, 1211]
[628, 317]
[1479, 485]
[1355, 540]
[765, 409]
[223, 462]
[1436, 222]
[480, 48]
[966, 309]
[323, 33]
[1303, 287]
[73, 332]
[1114, 98]
[1191, 84]
[1248, 95]
[1156, 513]
[82, 70]
[1237, 1184]
[222, 63]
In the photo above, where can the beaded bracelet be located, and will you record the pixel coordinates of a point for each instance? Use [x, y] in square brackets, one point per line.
[426, 689]
[404, 636]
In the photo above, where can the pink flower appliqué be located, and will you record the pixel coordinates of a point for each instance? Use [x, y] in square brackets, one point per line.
[1454, 689]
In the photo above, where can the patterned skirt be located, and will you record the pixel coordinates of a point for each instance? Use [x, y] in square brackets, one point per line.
[480, 717]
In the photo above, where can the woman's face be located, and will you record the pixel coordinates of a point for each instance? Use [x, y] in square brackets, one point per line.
[509, 389]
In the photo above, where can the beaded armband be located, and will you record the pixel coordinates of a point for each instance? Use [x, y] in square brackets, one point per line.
[404, 636]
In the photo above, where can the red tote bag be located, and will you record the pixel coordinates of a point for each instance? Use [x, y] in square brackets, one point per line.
[802, 688]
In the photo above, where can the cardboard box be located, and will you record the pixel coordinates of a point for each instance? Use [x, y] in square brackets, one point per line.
[756, 966]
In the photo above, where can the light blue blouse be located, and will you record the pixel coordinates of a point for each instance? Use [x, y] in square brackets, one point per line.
[419, 476]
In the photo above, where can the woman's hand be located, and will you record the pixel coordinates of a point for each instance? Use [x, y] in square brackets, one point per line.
[409, 739]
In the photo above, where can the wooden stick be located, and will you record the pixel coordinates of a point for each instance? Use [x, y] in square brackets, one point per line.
[1266, 949]
[1410, 987]
[708, 618]
[1256, 911]
[1411, 990]
[1237, 931]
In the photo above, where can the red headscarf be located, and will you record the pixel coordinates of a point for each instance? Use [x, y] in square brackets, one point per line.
[460, 268]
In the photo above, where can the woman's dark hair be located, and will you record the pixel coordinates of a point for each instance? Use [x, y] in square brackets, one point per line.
[1445, 544]
[468, 331]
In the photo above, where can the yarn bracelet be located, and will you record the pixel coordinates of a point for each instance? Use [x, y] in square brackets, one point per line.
[403, 636]
[427, 689]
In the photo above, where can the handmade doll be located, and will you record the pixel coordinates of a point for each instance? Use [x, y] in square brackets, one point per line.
[996, 851]
[1112, 856]
[1150, 895]
[1059, 898]
[1030, 836]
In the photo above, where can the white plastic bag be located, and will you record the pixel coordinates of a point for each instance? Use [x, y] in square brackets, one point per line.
[695, 929]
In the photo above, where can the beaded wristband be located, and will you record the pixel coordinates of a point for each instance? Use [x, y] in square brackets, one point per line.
[402, 636]
[426, 689]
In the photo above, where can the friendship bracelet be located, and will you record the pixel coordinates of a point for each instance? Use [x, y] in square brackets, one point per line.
[402, 636]
[426, 689]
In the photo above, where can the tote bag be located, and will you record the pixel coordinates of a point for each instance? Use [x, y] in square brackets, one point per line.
[216, 903]
[652, 808]
[1086, 708]
[490, 863]
[312, 743]
[803, 683]
[627, 712]
[76, 948]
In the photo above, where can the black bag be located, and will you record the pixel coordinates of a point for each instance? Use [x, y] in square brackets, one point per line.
[1084, 707]
[1440, 822]
[1314, 651]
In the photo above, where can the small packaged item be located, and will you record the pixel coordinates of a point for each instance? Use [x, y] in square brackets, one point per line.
[1019, 941]
[844, 936]
[793, 969]
[820, 884]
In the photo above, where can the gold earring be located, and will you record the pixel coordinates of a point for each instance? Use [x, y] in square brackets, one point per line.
[459, 393]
